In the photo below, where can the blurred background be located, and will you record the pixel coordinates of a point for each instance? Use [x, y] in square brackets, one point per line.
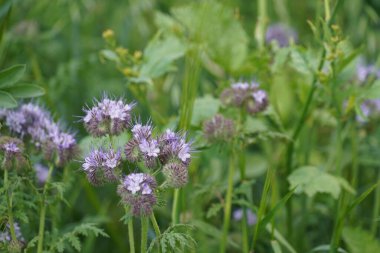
[60, 42]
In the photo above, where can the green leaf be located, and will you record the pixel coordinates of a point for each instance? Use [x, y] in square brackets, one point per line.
[311, 180]
[160, 55]
[275, 246]
[280, 238]
[326, 248]
[360, 241]
[6, 100]
[204, 108]
[373, 92]
[299, 61]
[215, 27]
[25, 90]
[10, 76]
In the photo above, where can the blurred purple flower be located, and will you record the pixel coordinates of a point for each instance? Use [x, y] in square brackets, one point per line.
[42, 173]
[219, 128]
[280, 33]
[251, 217]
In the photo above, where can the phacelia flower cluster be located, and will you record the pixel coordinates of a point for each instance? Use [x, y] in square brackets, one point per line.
[219, 128]
[12, 153]
[108, 117]
[168, 151]
[32, 122]
[281, 34]
[137, 191]
[245, 95]
[101, 166]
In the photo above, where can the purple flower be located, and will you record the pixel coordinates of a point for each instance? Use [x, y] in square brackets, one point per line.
[244, 94]
[5, 236]
[108, 117]
[280, 33]
[251, 217]
[219, 128]
[149, 147]
[42, 173]
[369, 108]
[137, 191]
[141, 132]
[364, 71]
[13, 149]
[100, 166]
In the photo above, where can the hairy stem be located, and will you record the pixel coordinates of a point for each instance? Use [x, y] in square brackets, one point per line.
[41, 230]
[131, 236]
[175, 214]
[156, 230]
[9, 206]
[144, 234]
[228, 203]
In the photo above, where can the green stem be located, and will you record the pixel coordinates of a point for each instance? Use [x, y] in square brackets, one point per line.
[339, 222]
[262, 23]
[175, 214]
[9, 207]
[228, 203]
[156, 230]
[144, 234]
[376, 208]
[327, 10]
[41, 230]
[131, 236]
[189, 92]
[244, 231]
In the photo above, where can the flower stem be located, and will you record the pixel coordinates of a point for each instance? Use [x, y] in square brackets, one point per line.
[175, 207]
[228, 202]
[144, 234]
[41, 230]
[9, 206]
[131, 236]
[156, 230]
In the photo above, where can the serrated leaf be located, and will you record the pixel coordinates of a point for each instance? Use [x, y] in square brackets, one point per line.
[11, 75]
[6, 100]
[213, 210]
[204, 108]
[311, 180]
[360, 241]
[25, 90]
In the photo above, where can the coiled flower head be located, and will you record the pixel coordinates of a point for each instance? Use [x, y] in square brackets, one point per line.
[60, 146]
[5, 238]
[108, 117]
[176, 174]
[102, 166]
[12, 150]
[257, 102]
[219, 128]
[173, 147]
[137, 191]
